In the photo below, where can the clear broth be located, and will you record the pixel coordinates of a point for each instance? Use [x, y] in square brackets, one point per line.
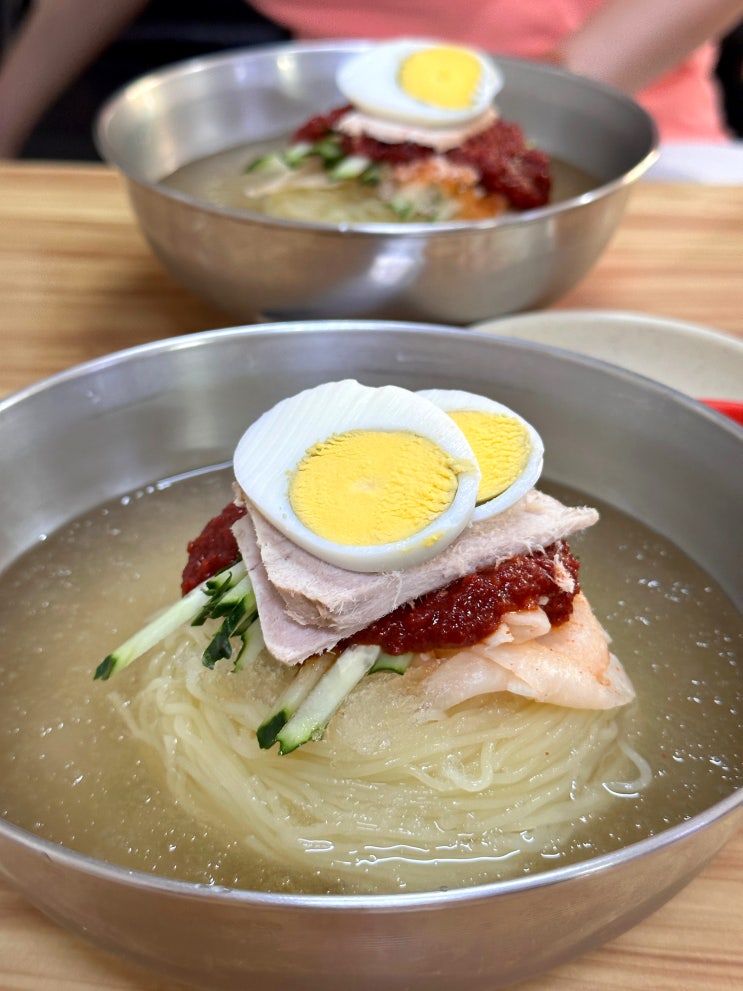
[218, 179]
[70, 773]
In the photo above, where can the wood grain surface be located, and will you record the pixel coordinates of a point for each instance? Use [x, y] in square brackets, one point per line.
[77, 281]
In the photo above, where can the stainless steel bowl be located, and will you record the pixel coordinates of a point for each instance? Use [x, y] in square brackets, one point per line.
[182, 404]
[255, 267]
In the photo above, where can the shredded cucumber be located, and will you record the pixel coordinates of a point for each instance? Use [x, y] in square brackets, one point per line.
[189, 609]
[402, 207]
[297, 153]
[350, 167]
[237, 619]
[252, 644]
[329, 149]
[297, 691]
[265, 163]
[312, 716]
[398, 663]
[320, 686]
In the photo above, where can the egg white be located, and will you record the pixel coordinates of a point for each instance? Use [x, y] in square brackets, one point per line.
[272, 447]
[370, 82]
[451, 400]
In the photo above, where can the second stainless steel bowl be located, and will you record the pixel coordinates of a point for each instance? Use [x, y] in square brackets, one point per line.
[254, 267]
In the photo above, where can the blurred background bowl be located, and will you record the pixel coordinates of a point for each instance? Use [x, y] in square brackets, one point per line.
[124, 421]
[258, 268]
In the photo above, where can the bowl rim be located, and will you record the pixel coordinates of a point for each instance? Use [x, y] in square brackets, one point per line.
[201, 63]
[107, 871]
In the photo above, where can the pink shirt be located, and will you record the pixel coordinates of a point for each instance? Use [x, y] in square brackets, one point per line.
[685, 103]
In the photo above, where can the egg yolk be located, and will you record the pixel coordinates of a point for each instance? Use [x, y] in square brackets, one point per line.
[442, 77]
[501, 445]
[371, 487]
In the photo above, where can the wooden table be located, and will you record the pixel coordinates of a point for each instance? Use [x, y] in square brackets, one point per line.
[78, 281]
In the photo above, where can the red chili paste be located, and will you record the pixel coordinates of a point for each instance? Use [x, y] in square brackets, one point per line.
[500, 155]
[458, 615]
[317, 127]
[507, 165]
[215, 548]
[470, 608]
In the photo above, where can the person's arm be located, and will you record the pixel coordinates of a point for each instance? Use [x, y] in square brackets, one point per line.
[57, 40]
[630, 43]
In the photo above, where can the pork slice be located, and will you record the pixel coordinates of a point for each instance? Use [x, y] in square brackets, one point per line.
[317, 594]
[286, 640]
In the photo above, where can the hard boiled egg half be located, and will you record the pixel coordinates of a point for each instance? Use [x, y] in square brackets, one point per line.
[380, 479]
[509, 451]
[368, 479]
[422, 83]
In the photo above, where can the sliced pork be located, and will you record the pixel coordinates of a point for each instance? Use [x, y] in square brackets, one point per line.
[318, 594]
[307, 606]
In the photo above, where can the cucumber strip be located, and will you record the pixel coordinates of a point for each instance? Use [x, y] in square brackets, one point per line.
[313, 715]
[231, 597]
[225, 578]
[289, 701]
[371, 175]
[218, 586]
[350, 167]
[252, 644]
[329, 149]
[297, 153]
[398, 663]
[402, 207]
[184, 611]
[263, 163]
[235, 623]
